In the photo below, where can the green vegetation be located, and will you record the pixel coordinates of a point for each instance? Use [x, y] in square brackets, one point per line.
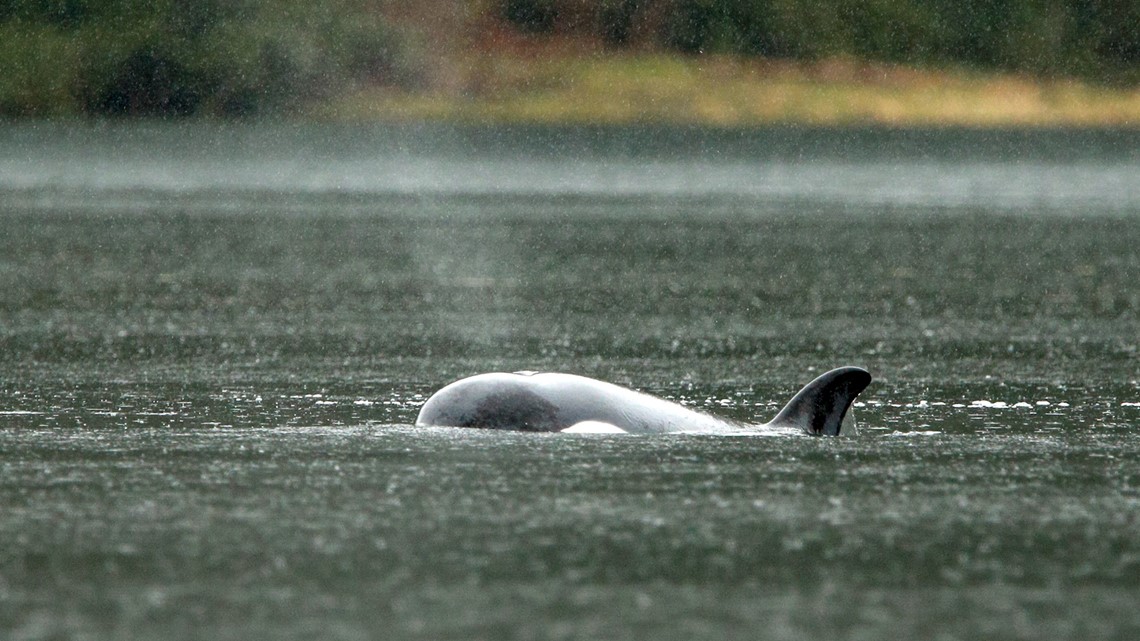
[997, 61]
[181, 57]
[1095, 39]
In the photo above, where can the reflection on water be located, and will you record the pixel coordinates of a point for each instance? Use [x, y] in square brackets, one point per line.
[213, 340]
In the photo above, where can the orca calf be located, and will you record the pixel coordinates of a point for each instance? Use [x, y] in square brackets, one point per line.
[550, 402]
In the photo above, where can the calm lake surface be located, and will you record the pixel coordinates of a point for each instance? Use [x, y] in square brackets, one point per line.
[214, 340]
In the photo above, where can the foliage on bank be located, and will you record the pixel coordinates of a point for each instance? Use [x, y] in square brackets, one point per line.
[182, 57]
[243, 57]
[1095, 39]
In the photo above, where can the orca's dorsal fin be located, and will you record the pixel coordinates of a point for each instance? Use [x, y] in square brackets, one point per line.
[819, 407]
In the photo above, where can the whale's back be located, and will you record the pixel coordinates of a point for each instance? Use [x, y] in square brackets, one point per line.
[491, 401]
[550, 402]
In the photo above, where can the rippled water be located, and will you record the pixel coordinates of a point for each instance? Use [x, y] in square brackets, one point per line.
[214, 339]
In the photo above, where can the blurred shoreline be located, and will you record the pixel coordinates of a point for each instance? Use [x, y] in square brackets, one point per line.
[735, 91]
[892, 63]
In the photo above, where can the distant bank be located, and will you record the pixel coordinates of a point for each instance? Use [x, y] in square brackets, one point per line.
[640, 88]
[716, 62]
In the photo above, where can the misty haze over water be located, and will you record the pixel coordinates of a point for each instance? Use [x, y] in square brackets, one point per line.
[126, 164]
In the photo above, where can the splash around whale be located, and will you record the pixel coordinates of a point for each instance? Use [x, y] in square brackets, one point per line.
[553, 402]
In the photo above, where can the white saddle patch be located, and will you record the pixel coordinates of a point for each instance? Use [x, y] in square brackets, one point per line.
[593, 427]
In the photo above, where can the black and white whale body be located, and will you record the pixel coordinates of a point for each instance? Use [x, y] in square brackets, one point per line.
[550, 402]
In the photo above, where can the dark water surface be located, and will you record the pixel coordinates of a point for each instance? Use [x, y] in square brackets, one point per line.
[214, 339]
